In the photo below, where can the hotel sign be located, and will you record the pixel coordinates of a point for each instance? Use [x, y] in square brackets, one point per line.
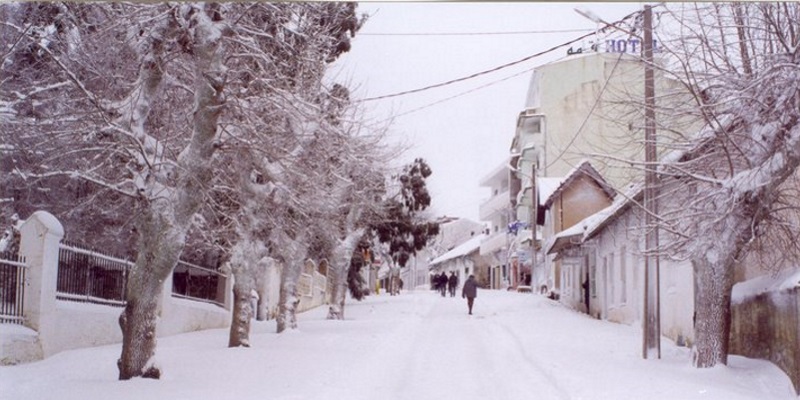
[633, 46]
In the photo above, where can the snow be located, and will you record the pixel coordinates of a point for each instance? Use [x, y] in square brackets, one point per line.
[786, 279]
[548, 186]
[461, 250]
[414, 346]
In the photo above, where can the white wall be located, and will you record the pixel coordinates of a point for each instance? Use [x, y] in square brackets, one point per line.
[56, 325]
[52, 326]
[619, 286]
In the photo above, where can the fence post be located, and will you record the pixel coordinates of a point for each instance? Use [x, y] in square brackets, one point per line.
[40, 235]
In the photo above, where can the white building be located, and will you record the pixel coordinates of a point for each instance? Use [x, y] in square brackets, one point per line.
[497, 213]
[464, 260]
[452, 232]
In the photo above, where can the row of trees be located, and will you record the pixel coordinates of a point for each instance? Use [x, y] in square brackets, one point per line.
[207, 127]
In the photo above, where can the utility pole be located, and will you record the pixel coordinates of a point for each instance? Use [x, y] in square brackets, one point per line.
[535, 212]
[651, 344]
[651, 326]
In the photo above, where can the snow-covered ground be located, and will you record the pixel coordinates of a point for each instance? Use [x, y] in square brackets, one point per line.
[414, 346]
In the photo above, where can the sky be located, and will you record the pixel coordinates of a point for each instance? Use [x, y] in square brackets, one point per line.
[464, 138]
[417, 346]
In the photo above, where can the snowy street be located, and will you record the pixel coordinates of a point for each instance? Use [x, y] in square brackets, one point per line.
[414, 346]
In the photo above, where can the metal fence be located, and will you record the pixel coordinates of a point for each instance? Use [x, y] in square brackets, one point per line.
[12, 287]
[88, 276]
[198, 283]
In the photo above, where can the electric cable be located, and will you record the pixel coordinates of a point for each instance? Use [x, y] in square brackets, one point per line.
[420, 108]
[495, 69]
[473, 33]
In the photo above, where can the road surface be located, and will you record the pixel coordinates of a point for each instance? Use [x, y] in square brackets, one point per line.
[415, 346]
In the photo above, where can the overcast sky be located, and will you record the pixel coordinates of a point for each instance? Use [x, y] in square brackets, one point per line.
[466, 137]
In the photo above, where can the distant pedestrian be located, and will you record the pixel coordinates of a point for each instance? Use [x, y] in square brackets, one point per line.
[452, 284]
[470, 291]
[443, 284]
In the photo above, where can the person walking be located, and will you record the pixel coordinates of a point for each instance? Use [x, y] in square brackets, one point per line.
[443, 284]
[452, 284]
[470, 292]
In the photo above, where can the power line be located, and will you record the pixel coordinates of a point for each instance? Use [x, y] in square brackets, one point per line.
[420, 108]
[477, 74]
[495, 69]
[473, 33]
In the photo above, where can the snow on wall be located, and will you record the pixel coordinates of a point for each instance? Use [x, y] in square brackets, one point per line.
[81, 325]
[768, 283]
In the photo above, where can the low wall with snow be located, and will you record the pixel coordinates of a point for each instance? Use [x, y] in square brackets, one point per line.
[767, 325]
[311, 287]
[52, 326]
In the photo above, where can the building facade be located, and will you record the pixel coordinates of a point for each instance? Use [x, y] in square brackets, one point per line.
[452, 232]
[496, 212]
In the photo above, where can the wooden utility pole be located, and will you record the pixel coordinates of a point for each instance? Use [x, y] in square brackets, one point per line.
[533, 221]
[651, 344]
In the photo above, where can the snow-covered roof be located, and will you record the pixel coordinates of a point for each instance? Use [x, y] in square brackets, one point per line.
[594, 223]
[564, 238]
[589, 226]
[547, 186]
[497, 173]
[471, 245]
[769, 283]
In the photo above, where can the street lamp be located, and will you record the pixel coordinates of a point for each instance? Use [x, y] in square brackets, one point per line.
[651, 338]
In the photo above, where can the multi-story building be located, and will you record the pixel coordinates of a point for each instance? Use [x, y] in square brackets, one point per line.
[585, 106]
[497, 212]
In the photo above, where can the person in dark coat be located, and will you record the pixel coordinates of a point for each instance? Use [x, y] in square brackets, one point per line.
[452, 284]
[443, 284]
[470, 291]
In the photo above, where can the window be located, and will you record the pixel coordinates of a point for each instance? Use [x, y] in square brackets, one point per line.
[593, 275]
[623, 275]
[610, 281]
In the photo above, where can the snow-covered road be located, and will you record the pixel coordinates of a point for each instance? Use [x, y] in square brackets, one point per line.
[415, 346]
[444, 353]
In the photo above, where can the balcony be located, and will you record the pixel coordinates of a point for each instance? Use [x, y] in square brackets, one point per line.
[498, 241]
[496, 204]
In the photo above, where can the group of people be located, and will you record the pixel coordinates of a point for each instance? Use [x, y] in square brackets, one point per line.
[445, 284]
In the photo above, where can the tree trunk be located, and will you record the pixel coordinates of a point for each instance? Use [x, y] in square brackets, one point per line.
[248, 265]
[166, 217]
[138, 323]
[712, 304]
[287, 304]
[160, 246]
[342, 256]
[339, 288]
[242, 313]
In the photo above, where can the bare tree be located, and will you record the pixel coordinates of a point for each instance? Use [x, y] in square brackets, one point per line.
[731, 189]
[148, 129]
[119, 125]
[282, 113]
